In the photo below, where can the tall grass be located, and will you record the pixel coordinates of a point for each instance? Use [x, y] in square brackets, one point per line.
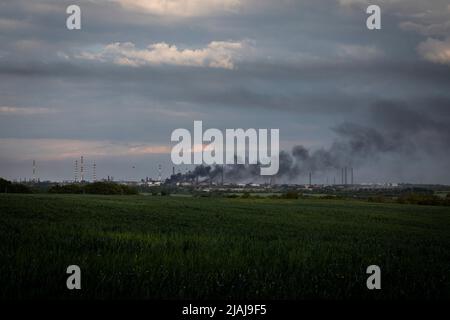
[189, 248]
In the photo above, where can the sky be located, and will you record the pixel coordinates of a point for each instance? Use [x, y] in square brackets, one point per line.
[376, 100]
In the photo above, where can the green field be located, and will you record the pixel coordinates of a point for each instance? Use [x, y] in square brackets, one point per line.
[217, 248]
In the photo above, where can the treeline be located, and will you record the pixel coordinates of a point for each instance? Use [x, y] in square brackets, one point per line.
[105, 188]
[410, 198]
[414, 198]
[11, 187]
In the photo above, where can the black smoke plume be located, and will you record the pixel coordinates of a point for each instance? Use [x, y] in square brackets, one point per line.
[395, 129]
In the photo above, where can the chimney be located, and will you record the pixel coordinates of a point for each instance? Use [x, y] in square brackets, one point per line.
[76, 171]
[94, 174]
[82, 169]
[34, 170]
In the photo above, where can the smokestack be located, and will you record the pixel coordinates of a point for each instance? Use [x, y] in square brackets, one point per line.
[352, 175]
[82, 169]
[345, 176]
[94, 174]
[76, 171]
[173, 171]
[34, 170]
[310, 178]
[342, 175]
[159, 173]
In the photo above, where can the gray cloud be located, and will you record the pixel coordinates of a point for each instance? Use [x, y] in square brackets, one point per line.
[309, 68]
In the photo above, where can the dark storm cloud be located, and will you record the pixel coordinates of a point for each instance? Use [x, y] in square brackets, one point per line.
[319, 88]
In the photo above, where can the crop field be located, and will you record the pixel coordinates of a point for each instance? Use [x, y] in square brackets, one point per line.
[153, 247]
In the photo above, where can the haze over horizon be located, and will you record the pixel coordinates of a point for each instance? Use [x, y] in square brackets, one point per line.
[115, 90]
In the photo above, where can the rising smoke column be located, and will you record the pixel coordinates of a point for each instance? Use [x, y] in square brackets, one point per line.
[395, 129]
